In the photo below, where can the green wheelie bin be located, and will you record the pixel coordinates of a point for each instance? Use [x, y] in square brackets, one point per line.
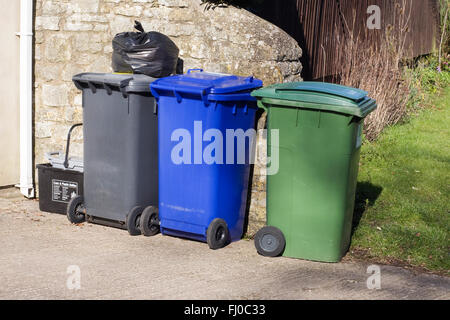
[310, 198]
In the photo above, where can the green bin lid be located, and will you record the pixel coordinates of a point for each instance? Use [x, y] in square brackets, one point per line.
[319, 96]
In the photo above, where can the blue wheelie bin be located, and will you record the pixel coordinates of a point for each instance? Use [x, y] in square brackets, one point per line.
[206, 142]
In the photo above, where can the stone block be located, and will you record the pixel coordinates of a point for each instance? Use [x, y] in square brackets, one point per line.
[83, 6]
[176, 3]
[55, 95]
[129, 11]
[47, 23]
[57, 48]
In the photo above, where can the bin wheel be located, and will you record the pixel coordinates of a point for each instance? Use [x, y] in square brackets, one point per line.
[149, 224]
[270, 242]
[133, 221]
[76, 212]
[217, 235]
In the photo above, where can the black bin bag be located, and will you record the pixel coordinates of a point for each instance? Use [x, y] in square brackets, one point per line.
[151, 53]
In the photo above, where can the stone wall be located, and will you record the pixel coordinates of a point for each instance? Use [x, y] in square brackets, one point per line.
[75, 36]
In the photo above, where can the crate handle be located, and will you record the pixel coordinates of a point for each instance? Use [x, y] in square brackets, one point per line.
[66, 159]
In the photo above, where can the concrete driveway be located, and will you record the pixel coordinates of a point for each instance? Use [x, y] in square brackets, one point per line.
[43, 256]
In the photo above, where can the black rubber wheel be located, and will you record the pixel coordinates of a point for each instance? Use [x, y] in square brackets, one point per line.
[133, 221]
[149, 223]
[75, 210]
[217, 235]
[270, 242]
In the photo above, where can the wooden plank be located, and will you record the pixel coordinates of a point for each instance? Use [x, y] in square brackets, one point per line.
[318, 25]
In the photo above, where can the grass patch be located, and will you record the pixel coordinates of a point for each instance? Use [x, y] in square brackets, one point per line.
[402, 209]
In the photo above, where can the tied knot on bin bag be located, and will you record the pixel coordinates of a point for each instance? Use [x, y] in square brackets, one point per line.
[151, 53]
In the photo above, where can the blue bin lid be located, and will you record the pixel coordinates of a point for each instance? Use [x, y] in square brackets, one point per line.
[205, 83]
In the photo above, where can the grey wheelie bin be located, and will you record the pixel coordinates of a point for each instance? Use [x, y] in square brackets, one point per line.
[120, 151]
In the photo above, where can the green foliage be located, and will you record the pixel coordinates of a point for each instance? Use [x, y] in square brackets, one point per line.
[444, 6]
[427, 80]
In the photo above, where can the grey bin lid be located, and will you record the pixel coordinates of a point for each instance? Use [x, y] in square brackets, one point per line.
[126, 83]
[57, 158]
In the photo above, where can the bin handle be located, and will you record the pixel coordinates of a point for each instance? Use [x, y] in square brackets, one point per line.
[155, 93]
[249, 79]
[177, 92]
[262, 106]
[178, 96]
[195, 69]
[91, 86]
[231, 97]
[78, 84]
[66, 159]
[107, 88]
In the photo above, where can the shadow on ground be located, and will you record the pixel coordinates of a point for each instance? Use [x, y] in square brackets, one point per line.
[366, 196]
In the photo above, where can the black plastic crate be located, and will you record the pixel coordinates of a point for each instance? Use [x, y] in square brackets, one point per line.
[60, 180]
[57, 187]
